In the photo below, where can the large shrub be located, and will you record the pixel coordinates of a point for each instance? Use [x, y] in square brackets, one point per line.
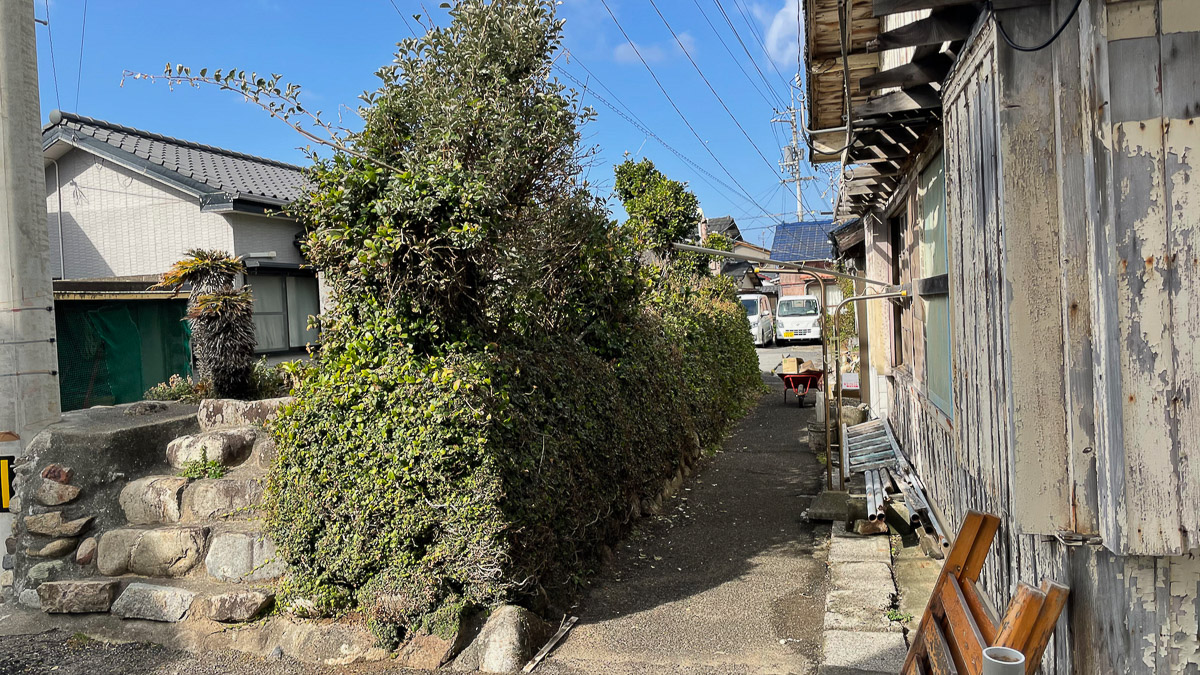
[499, 378]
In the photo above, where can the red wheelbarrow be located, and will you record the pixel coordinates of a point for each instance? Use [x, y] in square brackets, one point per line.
[800, 383]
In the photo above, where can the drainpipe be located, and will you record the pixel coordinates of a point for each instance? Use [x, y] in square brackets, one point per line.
[837, 360]
[62, 245]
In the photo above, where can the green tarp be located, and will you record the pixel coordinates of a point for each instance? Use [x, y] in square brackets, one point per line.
[113, 351]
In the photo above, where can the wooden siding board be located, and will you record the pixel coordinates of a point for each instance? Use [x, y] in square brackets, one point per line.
[1181, 141]
[1033, 292]
[1100, 197]
[1076, 304]
[1143, 247]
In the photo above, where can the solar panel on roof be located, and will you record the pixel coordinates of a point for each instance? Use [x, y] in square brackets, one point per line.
[803, 241]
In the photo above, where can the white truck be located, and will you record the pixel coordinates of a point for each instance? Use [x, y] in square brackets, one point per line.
[762, 321]
[799, 318]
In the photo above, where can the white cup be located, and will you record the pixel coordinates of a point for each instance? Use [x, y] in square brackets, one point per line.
[1003, 661]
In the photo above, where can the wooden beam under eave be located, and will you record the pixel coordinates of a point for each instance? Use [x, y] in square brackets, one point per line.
[946, 25]
[921, 97]
[882, 7]
[872, 171]
[931, 69]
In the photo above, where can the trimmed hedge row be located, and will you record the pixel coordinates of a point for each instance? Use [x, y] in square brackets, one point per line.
[476, 478]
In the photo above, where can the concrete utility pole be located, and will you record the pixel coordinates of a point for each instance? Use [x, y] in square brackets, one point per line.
[792, 154]
[29, 399]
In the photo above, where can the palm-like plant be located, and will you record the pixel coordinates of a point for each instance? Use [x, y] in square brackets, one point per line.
[221, 318]
[226, 319]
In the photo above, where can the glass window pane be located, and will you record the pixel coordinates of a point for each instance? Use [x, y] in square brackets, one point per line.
[268, 293]
[271, 331]
[931, 194]
[937, 353]
[303, 301]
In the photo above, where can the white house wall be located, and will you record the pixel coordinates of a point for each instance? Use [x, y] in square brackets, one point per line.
[262, 234]
[118, 223]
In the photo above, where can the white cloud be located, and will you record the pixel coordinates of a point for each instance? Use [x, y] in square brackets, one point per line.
[654, 52]
[783, 32]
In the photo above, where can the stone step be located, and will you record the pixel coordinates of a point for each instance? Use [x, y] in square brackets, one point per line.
[221, 413]
[231, 552]
[152, 599]
[154, 500]
[227, 447]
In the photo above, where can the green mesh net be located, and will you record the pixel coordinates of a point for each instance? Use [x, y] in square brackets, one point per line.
[113, 351]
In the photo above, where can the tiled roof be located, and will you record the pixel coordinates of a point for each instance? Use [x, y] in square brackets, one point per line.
[724, 225]
[807, 240]
[235, 174]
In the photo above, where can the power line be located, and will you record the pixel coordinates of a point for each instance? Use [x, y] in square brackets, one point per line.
[736, 34]
[676, 107]
[778, 99]
[79, 71]
[715, 94]
[761, 44]
[705, 175]
[53, 65]
[404, 18]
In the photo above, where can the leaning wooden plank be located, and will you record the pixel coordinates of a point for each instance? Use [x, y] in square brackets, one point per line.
[957, 558]
[981, 609]
[964, 635]
[1017, 626]
[554, 640]
[979, 552]
[941, 661]
[1043, 629]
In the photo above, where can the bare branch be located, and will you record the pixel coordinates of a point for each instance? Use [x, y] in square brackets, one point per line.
[281, 103]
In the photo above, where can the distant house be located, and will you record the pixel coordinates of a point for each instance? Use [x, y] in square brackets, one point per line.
[123, 205]
[805, 242]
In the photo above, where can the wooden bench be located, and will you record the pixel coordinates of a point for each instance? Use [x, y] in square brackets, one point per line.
[959, 624]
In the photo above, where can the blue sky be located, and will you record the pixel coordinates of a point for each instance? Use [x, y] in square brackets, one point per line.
[333, 50]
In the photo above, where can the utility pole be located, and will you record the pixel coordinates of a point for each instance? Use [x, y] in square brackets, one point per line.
[790, 164]
[29, 395]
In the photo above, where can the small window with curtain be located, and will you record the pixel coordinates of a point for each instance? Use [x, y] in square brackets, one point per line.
[935, 267]
[283, 303]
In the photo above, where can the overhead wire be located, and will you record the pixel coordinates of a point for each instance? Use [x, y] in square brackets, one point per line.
[778, 100]
[699, 71]
[761, 43]
[632, 119]
[745, 49]
[676, 107]
[79, 70]
[53, 65]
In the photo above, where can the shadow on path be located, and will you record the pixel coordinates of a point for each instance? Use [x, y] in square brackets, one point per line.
[729, 579]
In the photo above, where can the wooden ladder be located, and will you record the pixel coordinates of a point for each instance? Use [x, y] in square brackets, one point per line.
[959, 624]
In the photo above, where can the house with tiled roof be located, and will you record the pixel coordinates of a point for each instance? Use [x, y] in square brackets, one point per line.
[123, 205]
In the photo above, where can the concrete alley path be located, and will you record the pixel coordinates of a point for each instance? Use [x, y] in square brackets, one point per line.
[729, 579]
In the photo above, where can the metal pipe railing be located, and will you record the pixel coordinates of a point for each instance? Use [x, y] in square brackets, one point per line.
[837, 354]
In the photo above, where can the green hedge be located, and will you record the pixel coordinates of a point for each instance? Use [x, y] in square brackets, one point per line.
[490, 476]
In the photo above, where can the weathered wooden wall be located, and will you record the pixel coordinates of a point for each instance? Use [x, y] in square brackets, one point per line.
[1073, 165]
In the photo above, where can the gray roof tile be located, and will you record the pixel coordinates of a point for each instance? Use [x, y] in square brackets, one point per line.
[243, 176]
